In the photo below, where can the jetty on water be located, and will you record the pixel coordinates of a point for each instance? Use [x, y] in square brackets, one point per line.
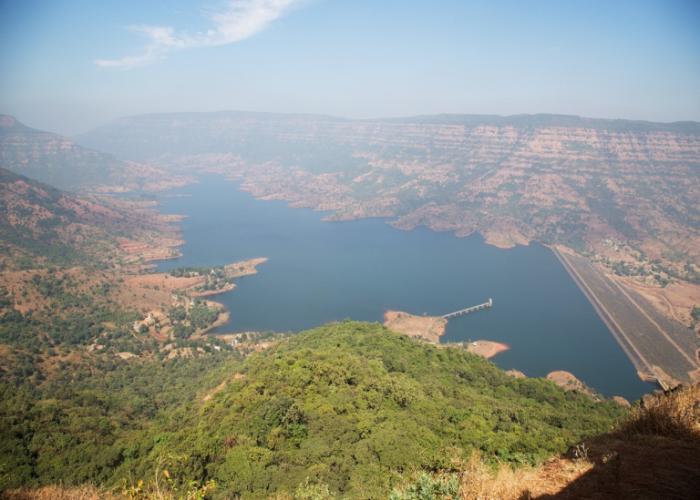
[469, 309]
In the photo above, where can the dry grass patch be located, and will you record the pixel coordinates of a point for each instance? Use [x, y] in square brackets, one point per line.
[85, 492]
[675, 415]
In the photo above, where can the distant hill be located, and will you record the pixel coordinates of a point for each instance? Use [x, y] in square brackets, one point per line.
[40, 224]
[549, 120]
[258, 136]
[557, 179]
[322, 142]
[54, 159]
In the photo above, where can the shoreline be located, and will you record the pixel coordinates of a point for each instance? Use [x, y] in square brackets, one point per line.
[500, 238]
[487, 348]
[569, 382]
[433, 328]
[643, 356]
[430, 328]
[223, 319]
[188, 288]
[644, 370]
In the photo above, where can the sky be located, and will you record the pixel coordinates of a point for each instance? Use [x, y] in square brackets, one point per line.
[67, 66]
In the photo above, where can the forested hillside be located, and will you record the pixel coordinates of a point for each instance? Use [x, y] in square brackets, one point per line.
[75, 279]
[351, 405]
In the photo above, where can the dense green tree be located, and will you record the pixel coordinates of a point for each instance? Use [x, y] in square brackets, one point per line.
[350, 405]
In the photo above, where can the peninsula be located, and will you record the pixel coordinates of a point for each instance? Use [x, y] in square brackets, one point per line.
[431, 328]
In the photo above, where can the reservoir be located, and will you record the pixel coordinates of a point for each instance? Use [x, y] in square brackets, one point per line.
[319, 272]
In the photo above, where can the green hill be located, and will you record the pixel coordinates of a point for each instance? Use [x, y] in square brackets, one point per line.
[351, 405]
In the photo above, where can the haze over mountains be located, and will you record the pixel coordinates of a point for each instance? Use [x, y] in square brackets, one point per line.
[144, 137]
[624, 194]
[559, 179]
[56, 160]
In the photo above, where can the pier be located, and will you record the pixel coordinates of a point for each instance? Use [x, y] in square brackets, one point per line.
[469, 309]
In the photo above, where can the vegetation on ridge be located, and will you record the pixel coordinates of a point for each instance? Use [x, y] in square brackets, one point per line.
[350, 405]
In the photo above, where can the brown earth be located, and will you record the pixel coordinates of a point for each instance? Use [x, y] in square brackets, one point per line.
[568, 381]
[110, 241]
[661, 375]
[430, 328]
[148, 253]
[486, 348]
[676, 300]
[622, 401]
[154, 291]
[86, 223]
[218, 388]
[163, 281]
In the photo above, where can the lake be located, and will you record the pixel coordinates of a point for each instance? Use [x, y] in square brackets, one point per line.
[327, 271]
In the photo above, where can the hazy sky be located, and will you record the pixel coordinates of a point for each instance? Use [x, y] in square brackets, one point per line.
[69, 65]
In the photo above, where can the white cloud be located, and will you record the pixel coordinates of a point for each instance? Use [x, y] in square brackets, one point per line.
[240, 19]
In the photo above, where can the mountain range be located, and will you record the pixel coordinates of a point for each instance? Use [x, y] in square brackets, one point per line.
[54, 159]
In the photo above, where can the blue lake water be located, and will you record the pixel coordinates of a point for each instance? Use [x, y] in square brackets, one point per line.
[327, 271]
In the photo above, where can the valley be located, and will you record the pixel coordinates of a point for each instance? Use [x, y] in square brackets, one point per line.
[107, 319]
[341, 250]
[601, 189]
